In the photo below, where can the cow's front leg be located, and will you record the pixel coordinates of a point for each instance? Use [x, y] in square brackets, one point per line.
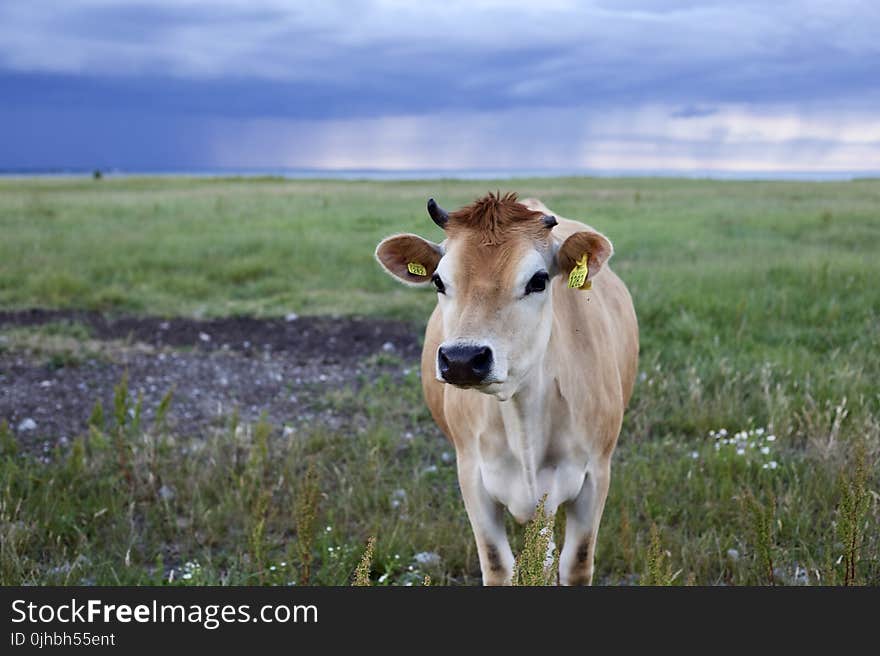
[582, 517]
[487, 522]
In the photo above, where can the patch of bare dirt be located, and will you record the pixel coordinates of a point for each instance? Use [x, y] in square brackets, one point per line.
[283, 368]
[327, 339]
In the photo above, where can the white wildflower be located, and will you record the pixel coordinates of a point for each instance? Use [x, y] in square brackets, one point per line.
[398, 497]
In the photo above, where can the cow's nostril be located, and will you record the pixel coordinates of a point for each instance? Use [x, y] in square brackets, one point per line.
[443, 361]
[482, 359]
[481, 363]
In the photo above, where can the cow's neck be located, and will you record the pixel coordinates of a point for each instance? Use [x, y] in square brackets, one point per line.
[525, 424]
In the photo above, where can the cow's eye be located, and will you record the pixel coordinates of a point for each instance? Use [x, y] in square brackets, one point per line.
[438, 283]
[538, 282]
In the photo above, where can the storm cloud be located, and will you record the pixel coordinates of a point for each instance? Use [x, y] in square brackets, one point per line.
[381, 84]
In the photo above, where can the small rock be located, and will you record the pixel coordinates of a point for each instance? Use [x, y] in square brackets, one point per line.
[733, 554]
[166, 493]
[288, 431]
[427, 558]
[46, 383]
[292, 316]
[388, 347]
[205, 337]
[447, 457]
[60, 569]
[164, 325]
[27, 425]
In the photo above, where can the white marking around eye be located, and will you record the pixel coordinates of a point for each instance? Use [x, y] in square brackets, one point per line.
[446, 271]
[530, 265]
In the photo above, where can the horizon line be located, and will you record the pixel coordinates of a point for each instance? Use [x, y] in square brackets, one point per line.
[441, 173]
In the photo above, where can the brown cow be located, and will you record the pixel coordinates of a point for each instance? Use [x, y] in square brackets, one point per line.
[527, 376]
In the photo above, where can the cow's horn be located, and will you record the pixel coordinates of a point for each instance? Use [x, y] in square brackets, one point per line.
[440, 216]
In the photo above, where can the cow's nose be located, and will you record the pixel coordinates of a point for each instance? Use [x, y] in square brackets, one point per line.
[464, 364]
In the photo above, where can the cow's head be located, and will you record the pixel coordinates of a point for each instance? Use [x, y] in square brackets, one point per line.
[495, 276]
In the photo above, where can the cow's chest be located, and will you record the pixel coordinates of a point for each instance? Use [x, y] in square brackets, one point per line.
[518, 473]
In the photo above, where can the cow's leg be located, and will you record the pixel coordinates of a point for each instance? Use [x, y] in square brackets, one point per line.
[582, 517]
[487, 521]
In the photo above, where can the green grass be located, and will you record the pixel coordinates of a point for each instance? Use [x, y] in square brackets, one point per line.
[758, 306]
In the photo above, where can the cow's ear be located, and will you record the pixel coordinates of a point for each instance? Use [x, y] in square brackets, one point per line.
[594, 245]
[409, 258]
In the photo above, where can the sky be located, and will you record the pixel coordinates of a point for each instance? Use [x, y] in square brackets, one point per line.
[479, 84]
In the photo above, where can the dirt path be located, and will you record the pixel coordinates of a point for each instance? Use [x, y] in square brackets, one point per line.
[284, 368]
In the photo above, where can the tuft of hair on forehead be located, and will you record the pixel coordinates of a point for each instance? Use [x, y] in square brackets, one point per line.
[496, 218]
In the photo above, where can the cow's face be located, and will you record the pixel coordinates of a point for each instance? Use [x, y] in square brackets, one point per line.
[493, 276]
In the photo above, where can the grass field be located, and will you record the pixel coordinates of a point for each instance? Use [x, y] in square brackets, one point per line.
[759, 311]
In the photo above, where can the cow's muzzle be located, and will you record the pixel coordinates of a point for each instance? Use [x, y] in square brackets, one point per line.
[464, 364]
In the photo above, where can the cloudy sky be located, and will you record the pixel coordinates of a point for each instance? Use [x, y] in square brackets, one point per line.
[478, 84]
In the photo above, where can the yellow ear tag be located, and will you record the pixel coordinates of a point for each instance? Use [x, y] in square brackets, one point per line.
[577, 279]
[416, 269]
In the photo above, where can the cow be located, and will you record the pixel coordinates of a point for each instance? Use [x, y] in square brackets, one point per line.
[529, 360]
